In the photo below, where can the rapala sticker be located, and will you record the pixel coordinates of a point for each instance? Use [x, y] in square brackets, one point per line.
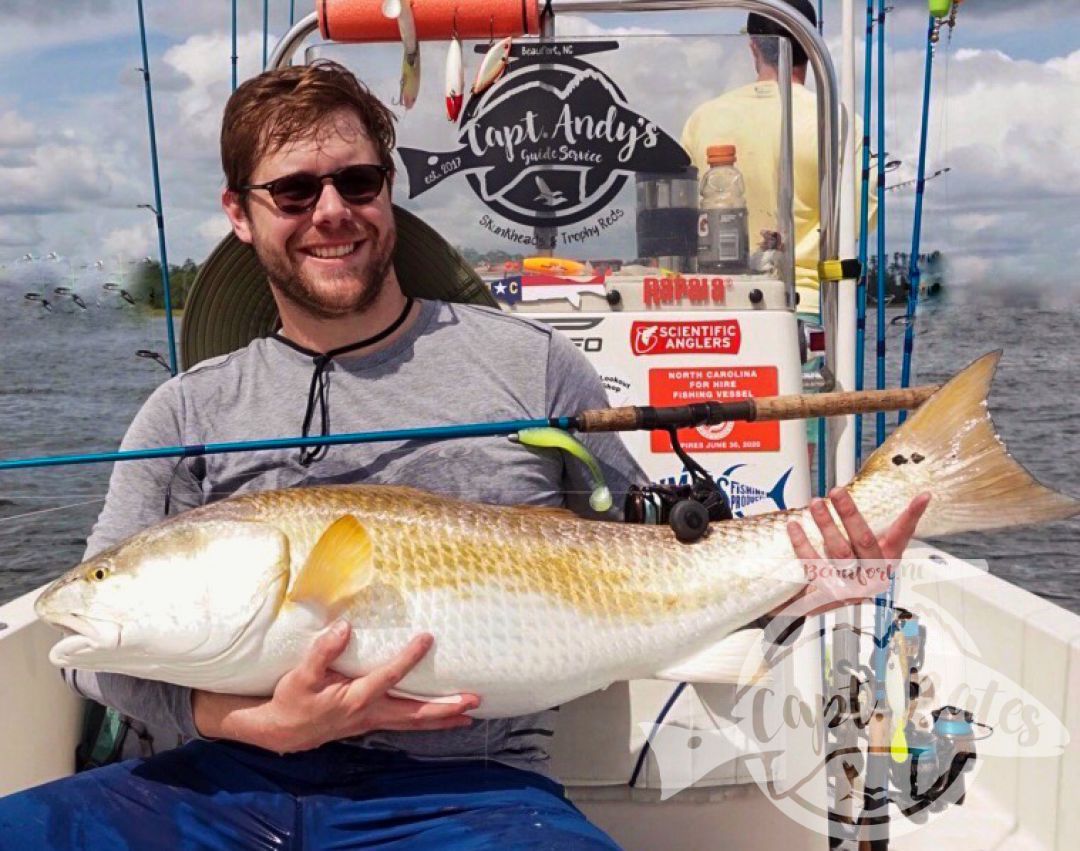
[551, 143]
[686, 385]
[719, 337]
[698, 291]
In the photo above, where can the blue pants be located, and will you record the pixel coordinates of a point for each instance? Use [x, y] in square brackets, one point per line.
[218, 795]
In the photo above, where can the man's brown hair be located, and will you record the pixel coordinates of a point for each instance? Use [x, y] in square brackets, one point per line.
[277, 107]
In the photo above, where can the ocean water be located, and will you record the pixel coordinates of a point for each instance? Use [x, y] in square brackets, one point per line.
[70, 382]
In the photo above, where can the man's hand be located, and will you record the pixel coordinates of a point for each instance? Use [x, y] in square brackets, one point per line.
[313, 705]
[859, 566]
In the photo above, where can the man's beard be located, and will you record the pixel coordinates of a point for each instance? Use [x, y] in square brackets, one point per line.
[286, 278]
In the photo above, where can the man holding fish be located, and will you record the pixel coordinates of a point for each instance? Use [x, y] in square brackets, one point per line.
[319, 757]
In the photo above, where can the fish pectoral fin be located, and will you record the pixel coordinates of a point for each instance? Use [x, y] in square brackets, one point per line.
[738, 659]
[340, 565]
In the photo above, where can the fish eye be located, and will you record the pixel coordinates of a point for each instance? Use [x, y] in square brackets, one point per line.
[98, 573]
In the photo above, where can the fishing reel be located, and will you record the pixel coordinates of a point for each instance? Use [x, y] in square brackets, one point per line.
[687, 508]
[932, 777]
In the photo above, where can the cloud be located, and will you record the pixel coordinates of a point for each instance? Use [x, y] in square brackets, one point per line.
[1006, 127]
[134, 241]
[1004, 204]
[214, 229]
[18, 233]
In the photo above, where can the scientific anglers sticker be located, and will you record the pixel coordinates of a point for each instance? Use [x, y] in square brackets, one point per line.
[686, 385]
[551, 143]
[721, 337]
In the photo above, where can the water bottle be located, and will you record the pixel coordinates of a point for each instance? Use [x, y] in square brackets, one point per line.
[723, 238]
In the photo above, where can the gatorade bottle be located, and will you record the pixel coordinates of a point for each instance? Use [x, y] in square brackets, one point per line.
[723, 239]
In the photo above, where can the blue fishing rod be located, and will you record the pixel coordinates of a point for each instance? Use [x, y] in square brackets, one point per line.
[266, 31]
[875, 812]
[880, 419]
[914, 273]
[634, 418]
[864, 225]
[157, 209]
[292, 12]
[234, 45]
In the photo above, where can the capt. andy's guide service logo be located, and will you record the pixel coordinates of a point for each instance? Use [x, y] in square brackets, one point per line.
[551, 143]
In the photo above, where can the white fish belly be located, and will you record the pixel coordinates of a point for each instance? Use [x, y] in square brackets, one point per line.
[524, 653]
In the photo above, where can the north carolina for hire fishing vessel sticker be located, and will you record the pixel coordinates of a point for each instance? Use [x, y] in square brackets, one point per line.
[550, 143]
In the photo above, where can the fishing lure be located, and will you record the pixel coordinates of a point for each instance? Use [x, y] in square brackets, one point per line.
[455, 79]
[493, 66]
[410, 60]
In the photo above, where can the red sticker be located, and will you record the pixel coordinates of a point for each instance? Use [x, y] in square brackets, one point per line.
[686, 385]
[721, 337]
[662, 292]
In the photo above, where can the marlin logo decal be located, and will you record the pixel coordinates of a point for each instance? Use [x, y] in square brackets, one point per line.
[741, 496]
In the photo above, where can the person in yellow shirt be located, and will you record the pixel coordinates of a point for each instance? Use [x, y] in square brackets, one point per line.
[749, 119]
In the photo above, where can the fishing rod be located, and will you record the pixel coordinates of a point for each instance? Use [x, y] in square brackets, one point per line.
[864, 225]
[913, 181]
[234, 45]
[157, 209]
[266, 31]
[916, 230]
[914, 273]
[880, 376]
[644, 418]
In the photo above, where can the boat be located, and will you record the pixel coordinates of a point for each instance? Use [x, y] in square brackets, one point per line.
[932, 278]
[662, 766]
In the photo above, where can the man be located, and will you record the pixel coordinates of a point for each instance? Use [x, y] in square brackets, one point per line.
[327, 761]
[749, 118]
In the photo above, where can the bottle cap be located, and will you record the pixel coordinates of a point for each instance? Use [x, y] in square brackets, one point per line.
[720, 154]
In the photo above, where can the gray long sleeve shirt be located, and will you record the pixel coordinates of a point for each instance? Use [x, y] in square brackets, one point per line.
[455, 364]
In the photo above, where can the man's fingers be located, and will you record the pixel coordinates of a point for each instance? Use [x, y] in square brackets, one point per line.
[324, 650]
[804, 550]
[836, 546]
[895, 541]
[421, 710]
[861, 537]
[385, 677]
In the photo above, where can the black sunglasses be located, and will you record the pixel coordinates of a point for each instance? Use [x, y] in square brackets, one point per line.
[299, 193]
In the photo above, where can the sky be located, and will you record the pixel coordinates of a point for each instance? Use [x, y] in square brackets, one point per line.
[74, 154]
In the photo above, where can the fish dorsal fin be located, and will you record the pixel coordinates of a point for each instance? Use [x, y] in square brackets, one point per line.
[340, 565]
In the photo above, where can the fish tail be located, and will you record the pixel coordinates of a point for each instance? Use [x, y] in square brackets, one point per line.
[949, 447]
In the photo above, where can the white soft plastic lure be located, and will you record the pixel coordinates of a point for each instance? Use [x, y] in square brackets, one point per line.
[493, 65]
[530, 607]
[455, 80]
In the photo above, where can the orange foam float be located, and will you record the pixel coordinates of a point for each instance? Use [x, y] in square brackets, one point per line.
[436, 20]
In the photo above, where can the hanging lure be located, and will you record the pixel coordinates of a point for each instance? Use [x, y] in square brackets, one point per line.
[401, 10]
[897, 678]
[495, 62]
[455, 79]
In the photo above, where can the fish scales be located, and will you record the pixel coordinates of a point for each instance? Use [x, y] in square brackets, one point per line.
[529, 607]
